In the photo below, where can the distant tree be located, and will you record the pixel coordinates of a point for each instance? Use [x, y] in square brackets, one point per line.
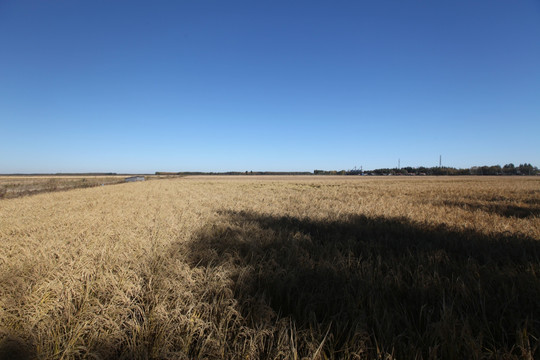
[526, 169]
[509, 169]
[410, 170]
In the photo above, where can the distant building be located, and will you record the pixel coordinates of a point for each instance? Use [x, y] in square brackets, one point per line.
[134, 178]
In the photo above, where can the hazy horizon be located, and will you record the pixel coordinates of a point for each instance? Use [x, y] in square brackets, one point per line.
[241, 171]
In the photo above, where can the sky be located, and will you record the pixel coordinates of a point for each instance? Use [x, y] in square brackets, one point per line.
[211, 85]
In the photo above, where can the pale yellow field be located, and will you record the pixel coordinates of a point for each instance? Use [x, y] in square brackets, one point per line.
[202, 267]
[17, 186]
[13, 186]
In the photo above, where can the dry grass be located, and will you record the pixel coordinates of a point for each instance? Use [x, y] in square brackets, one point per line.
[17, 186]
[274, 267]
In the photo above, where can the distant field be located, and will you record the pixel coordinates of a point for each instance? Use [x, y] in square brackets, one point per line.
[17, 186]
[286, 267]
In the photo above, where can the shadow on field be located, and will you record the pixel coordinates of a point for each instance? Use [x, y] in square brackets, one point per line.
[371, 286]
[501, 209]
[14, 348]
[274, 287]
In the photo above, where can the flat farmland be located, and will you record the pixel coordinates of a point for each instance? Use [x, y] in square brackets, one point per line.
[288, 267]
[24, 185]
[13, 186]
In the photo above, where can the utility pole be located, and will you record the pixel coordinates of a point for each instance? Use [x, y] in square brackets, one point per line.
[398, 164]
[440, 161]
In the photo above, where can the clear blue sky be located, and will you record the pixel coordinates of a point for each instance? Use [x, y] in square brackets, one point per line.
[211, 85]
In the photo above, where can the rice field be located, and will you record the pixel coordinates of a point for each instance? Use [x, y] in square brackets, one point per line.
[290, 267]
[16, 186]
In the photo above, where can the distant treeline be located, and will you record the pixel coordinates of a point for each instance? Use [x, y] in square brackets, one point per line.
[63, 174]
[508, 169]
[89, 174]
[184, 173]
